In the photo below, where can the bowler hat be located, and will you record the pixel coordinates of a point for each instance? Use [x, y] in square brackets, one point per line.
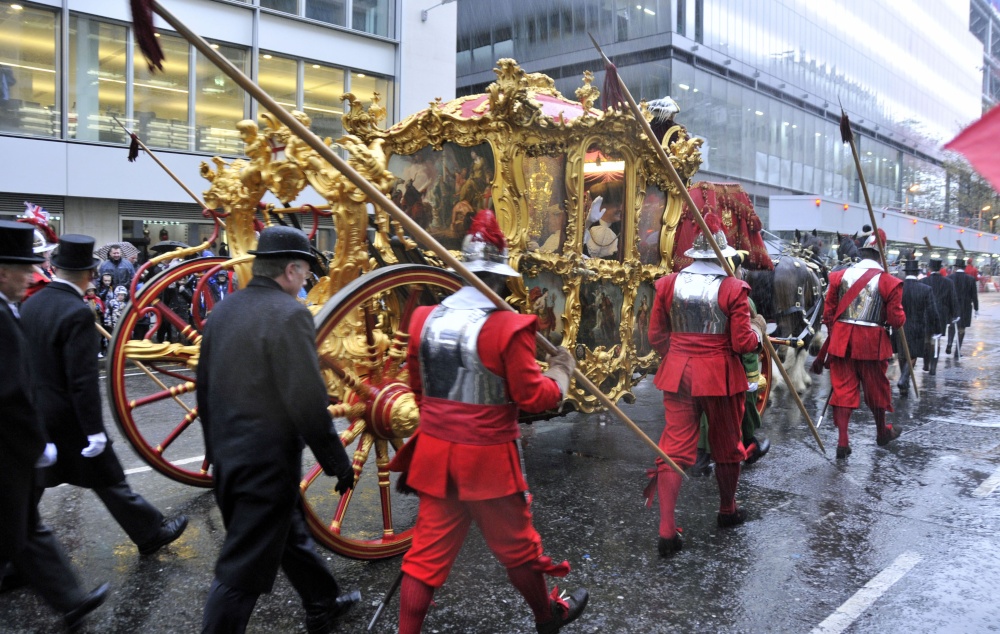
[75, 253]
[284, 242]
[16, 242]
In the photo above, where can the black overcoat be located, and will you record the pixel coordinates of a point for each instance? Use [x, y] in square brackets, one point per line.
[261, 397]
[968, 297]
[947, 300]
[64, 344]
[922, 318]
[22, 438]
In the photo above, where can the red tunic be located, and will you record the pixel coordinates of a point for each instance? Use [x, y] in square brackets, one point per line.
[863, 343]
[487, 466]
[713, 361]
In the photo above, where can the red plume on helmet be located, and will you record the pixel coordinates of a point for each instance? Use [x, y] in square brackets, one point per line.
[486, 229]
[713, 222]
[870, 241]
[701, 249]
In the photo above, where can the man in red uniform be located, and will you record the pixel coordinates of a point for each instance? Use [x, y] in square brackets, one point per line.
[472, 367]
[700, 325]
[860, 302]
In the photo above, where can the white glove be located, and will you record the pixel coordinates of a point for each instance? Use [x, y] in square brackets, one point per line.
[595, 209]
[752, 387]
[48, 457]
[96, 446]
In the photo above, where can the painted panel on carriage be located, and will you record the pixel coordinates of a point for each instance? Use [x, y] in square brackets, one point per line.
[600, 314]
[545, 194]
[643, 307]
[650, 221]
[442, 190]
[547, 300]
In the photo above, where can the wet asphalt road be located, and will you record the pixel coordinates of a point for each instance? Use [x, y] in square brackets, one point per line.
[898, 539]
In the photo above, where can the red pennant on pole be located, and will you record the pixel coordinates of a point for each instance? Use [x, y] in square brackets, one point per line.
[980, 144]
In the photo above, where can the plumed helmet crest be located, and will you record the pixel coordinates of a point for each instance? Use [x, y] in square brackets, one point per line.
[485, 246]
[701, 250]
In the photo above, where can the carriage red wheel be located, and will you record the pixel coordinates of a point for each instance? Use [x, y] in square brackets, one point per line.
[151, 387]
[361, 353]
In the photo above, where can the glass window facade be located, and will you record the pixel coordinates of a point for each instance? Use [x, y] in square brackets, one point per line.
[98, 80]
[369, 16]
[322, 88]
[161, 99]
[29, 98]
[219, 103]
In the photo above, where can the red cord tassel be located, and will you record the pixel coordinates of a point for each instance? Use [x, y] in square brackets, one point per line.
[145, 34]
[133, 148]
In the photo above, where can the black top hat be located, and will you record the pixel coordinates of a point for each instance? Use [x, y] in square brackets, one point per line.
[911, 267]
[75, 253]
[959, 263]
[284, 242]
[934, 264]
[16, 242]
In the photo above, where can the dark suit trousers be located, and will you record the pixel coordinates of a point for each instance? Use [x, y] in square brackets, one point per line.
[228, 609]
[44, 564]
[138, 518]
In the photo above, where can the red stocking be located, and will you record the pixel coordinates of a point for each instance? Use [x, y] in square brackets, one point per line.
[841, 417]
[414, 599]
[668, 487]
[728, 477]
[880, 427]
[531, 584]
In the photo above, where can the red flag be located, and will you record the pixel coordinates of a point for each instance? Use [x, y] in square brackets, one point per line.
[980, 144]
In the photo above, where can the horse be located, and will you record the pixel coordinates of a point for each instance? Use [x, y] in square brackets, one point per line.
[847, 251]
[791, 296]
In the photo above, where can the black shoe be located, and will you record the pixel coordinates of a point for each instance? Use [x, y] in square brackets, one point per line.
[74, 618]
[728, 520]
[11, 578]
[169, 531]
[890, 435]
[904, 391]
[565, 615]
[321, 621]
[702, 465]
[757, 449]
[667, 547]
[947, 350]
[843, 452]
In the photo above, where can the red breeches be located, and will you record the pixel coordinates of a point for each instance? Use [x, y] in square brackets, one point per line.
[442, 524]
[683, 418]
[848, 375]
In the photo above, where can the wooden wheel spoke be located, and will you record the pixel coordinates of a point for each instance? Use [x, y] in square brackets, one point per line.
[382, 464]
[310, 477]
[360, 458]
[171, 392]
[177, 431]
[187, 380]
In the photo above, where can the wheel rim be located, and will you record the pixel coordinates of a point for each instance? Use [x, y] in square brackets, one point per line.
[358, 330]
[139, 382]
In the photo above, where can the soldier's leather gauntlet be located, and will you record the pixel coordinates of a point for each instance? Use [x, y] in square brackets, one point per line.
[560, 370]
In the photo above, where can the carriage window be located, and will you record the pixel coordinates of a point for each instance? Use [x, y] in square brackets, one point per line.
[442, 190]
[650, 221]
[604, 177]
[545, 193]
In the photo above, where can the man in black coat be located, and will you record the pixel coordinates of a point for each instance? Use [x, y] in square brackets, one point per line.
[59, 327]
[968, 298]
[34, 554]
[922, 319]
[947, 305]
[260, 395]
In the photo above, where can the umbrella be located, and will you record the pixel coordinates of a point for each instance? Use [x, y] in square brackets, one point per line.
[128, 250]
[167, 245]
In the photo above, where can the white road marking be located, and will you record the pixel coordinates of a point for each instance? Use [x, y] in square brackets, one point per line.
[863, 599]
[988, 486]
[174, 462]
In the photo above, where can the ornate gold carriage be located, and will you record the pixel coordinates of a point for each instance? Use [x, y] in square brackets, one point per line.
[540, 160]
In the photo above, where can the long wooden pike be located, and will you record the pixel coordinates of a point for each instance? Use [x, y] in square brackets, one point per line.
[679, 183]
[847, 135]
[397, 214]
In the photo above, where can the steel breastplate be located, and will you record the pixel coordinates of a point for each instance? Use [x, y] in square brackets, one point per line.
[868, 308]
[450, 367]
[695, 307]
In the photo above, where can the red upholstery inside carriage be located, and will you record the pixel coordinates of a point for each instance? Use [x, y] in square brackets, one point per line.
[739, 221]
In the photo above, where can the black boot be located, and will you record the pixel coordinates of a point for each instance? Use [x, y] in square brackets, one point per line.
[576, 604]
[757, 449]
[904, 378]
[702, 465]
[667, 547]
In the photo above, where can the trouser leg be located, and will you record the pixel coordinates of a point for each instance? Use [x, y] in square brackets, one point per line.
[961, 338]
[305, 569]
[951, 337]
[138, 518]
[227, 609]
[904, 375]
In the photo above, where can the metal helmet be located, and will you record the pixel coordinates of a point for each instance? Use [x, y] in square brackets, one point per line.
[701, 250]
[870, 241]
[484, 249]
[41, 244]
